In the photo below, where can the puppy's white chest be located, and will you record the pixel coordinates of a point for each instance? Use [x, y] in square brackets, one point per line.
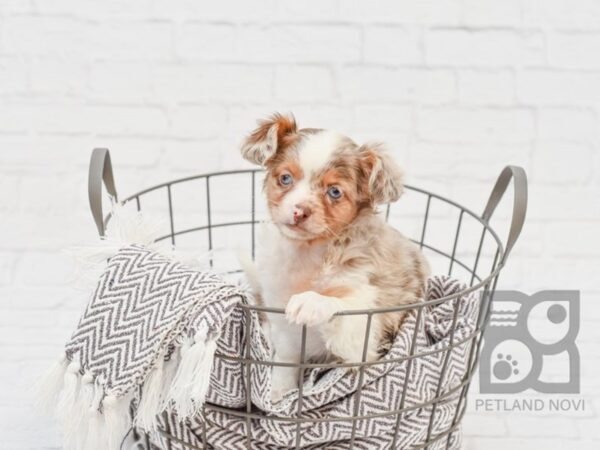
[285, 268]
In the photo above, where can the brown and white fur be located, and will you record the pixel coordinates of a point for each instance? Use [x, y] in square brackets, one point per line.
[322, 254]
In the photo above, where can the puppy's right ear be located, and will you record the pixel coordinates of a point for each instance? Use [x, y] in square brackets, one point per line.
[271, 136]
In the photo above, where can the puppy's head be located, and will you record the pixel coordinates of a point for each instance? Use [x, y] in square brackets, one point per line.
[318, 180]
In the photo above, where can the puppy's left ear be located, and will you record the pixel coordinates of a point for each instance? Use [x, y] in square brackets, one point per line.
[273, 135]
[383, 177]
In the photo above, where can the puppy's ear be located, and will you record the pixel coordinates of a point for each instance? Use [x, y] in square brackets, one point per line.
[383, 178]
[271, 136]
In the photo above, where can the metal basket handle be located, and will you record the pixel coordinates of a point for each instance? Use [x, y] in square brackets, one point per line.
[519, 177]
[100, 171]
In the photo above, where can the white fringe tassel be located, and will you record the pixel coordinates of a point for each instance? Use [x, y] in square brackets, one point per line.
[201, 383]
[191, 381]
[82, 406]
[77, 401]
[152, 401]
[169, 370]
[67, 404]
[116, 417]
[46, 390]
[96, 432]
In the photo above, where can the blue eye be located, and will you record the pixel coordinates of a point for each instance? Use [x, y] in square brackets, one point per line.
[286, 179]
[334, 192]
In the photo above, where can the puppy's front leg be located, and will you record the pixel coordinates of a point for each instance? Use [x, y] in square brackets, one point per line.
[307, 308]
[344, 335]
[311, 308]
[287, 345]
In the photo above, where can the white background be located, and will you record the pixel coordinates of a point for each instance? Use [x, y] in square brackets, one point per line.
[457, 88]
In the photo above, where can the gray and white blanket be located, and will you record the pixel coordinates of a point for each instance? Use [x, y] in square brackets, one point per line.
[151, 351]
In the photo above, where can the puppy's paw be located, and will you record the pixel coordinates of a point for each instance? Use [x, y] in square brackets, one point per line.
[310, 308]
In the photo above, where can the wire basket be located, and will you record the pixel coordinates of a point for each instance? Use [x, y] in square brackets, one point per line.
[221, 210]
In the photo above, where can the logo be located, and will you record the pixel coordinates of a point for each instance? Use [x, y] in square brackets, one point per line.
[527, 339]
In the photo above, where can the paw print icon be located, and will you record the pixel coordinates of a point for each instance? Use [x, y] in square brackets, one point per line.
[505, 367]
[530, 343]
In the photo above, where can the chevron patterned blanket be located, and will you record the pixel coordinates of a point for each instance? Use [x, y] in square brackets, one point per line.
[145, 342]
[143, 355]
[329, 396]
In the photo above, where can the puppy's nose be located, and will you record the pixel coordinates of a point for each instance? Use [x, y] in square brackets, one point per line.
[301, 213]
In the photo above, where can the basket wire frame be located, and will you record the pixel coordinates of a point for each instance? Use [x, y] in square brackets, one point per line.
[485, 282]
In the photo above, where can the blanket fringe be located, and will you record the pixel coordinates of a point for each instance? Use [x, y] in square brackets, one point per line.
[96, 431]
[67, 403]
[116, 416]
[202, 380]
[152, 399]
[46, 390]
[96, 428]
[192, 378]
[90, 419]
[82, 406]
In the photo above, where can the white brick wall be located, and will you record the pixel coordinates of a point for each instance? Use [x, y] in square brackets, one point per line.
[458, 89]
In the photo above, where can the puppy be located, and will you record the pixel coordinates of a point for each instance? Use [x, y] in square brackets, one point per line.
[327, 249]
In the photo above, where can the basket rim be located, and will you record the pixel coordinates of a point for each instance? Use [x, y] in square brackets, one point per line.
[499, 259]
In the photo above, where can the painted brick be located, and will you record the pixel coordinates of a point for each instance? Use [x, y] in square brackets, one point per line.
[229, 83]
[487, 87]
[484, 48]
[121, 81]
[490, 13]
[568, 125]
[225, 10]
[322, 44]
[573, 50]
[375, 84]
[476, 125]
[549, 164]
[304, 84]
[14, 74]
[377, 118]
[393, 45]
[547, 87]
[150, 40]
[402, 11]
[198, 121]
[206, 42]
[562, 15]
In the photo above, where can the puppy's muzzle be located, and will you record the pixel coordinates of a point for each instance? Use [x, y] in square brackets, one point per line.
[301, 213]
